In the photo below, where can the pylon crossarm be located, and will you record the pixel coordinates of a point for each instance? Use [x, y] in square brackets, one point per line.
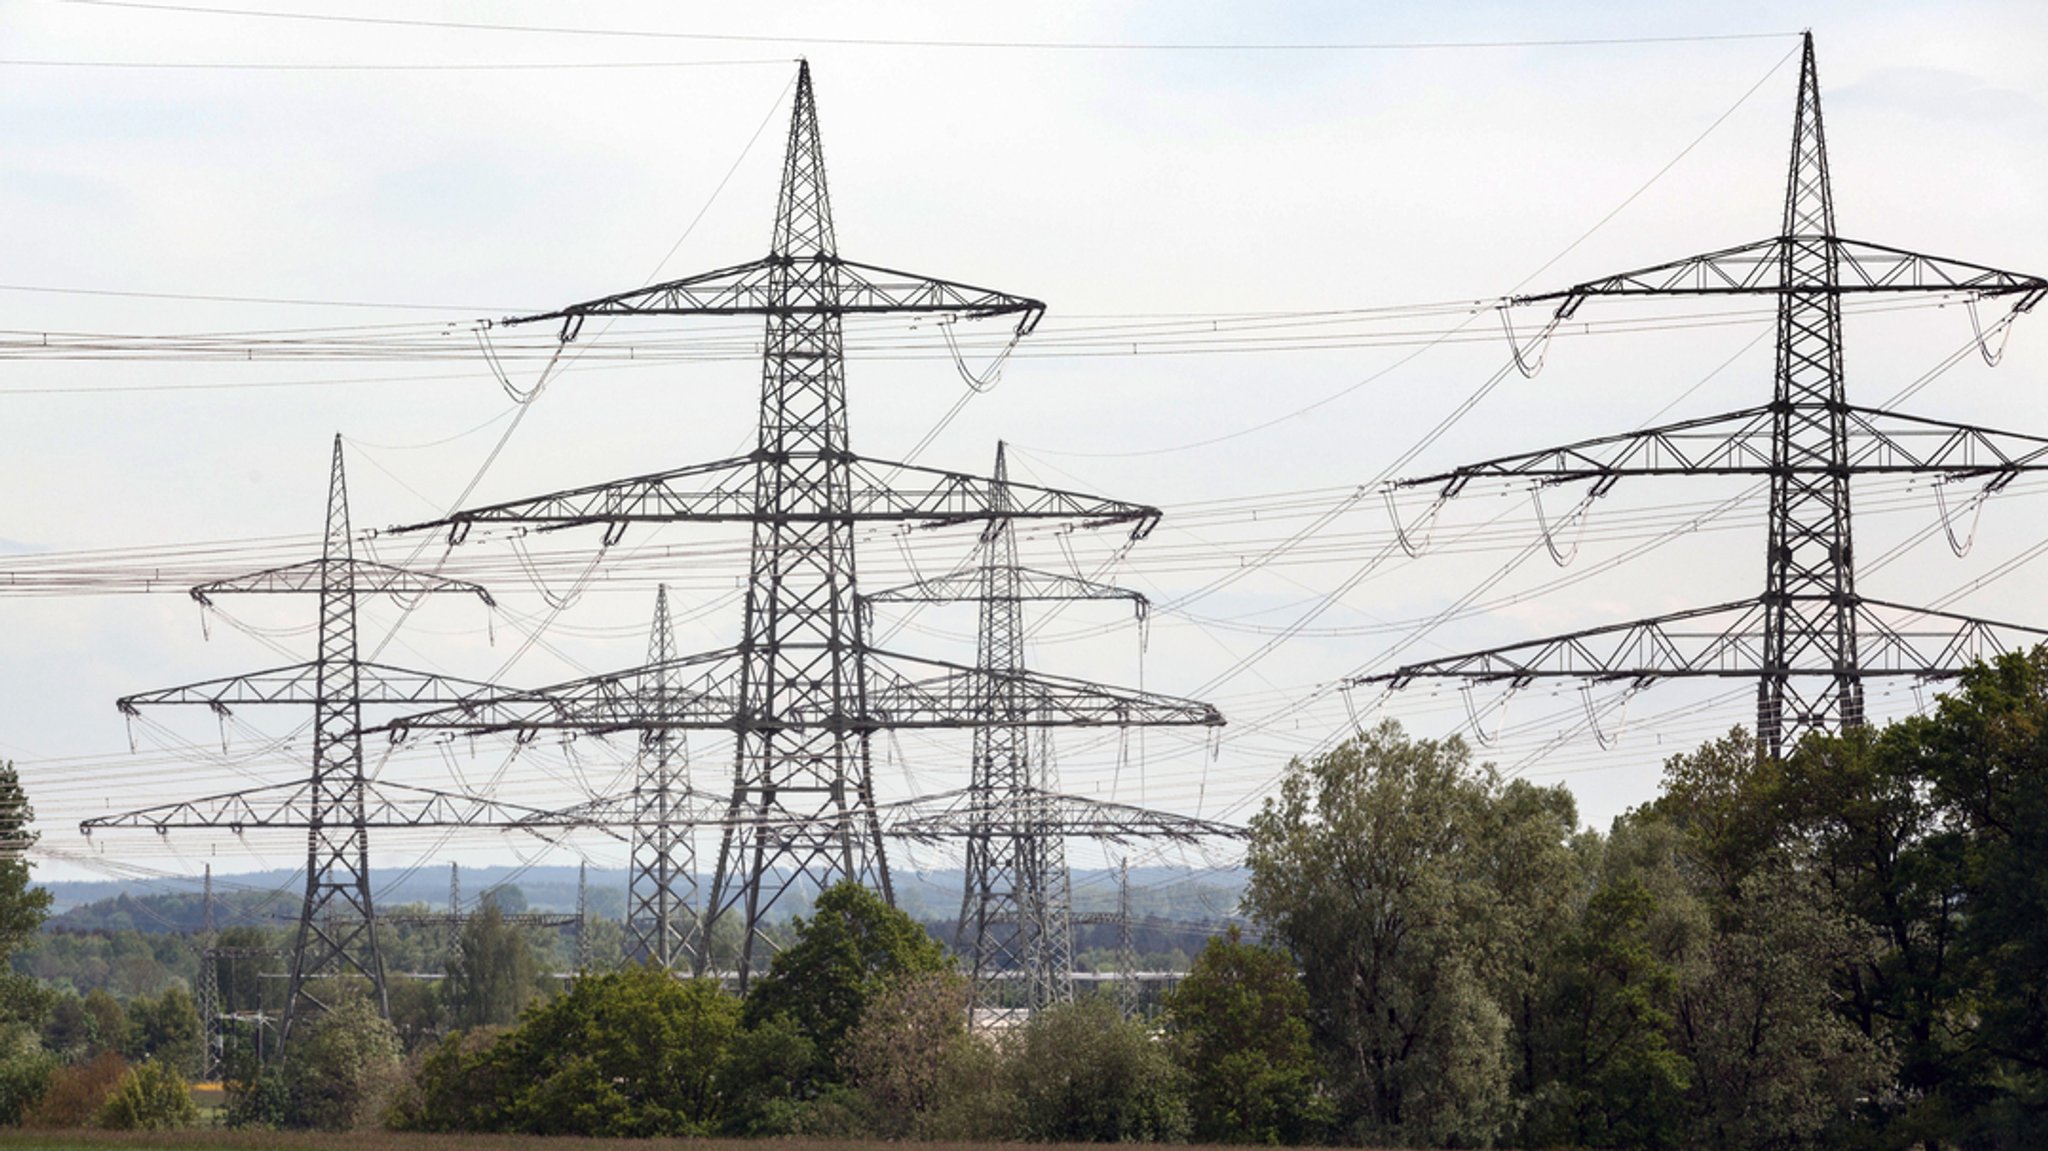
[1867, 267]
[1897, 639]
[914, 692]
[362, 577]
[1032, 585]
[759, 288]
[1723, 640]
[297, 806]
[969, 812]
[688, 807]
[903, 692]
[1758, 269]
[1739, 444]
[300, 684]
[1728, 641]
[457, 919]
[723, 492]
[698, 692]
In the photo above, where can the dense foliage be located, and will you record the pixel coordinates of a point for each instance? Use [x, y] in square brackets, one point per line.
[151, 1097]
[1846, 948]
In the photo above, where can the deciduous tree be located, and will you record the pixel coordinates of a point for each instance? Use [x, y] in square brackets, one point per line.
[1239, 1025]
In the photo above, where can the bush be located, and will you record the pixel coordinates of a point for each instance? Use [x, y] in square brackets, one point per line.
[151, 1097]
[1240, 1029]
[454, 1086]
[25, 1071]
[1083, 1074]
[167, 1029]
[78, 1092]
[258, 1100]
[851, 947]
[917, 1070]
[632, 1053]
[341, 1067]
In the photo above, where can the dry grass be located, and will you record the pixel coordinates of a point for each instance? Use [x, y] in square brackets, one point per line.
[219, 1140]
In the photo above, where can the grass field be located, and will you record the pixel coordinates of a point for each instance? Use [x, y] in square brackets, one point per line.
[218, 1140]
[221, 1140]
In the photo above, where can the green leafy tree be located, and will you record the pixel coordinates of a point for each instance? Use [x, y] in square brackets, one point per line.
[151, 1097]
[1613, 1077]
[913, 1063]
[1239, 1022]
[341, 1067]
[417, 1013]
[849, 949]
[166, 1029]
[634, 1053]
[1774, 1063]
[494, 973]
[26, 1069]
[22, 907]
[1985, 752]
[1081, 1073]
[1762, 943]
[1402, 877]
[25, 1006]
[457, 1085]
[68, 1031]
[109, 1026]
[773, 1068]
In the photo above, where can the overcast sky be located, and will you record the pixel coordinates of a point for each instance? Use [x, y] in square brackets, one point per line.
[1124, 185]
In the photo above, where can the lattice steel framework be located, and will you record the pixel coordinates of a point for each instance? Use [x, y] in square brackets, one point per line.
[1016, 903]
[803, 692]
[661, 893]
[1810, 640]
[336, 804]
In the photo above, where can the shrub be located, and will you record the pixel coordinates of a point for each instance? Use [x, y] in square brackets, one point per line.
[151, 1097]
[1083, 1074]
[631, 1053]
[1240, 1029]
[78, 1092]
[25, 1071]
[917, 1071]
[341, 1067]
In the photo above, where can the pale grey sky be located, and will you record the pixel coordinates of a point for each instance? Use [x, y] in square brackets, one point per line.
[1176, 184]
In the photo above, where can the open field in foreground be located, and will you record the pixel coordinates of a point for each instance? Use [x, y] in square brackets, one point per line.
[220, 1140]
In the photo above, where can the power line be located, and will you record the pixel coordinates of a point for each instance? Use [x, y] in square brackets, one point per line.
[908, 42]
[278, 66]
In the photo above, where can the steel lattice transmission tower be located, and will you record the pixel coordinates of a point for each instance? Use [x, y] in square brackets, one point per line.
[803, 692]
[661, 894]
[1016, 914]
[336, 804]
[1811, 639]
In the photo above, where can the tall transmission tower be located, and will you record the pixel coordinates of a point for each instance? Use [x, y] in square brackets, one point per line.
[337, 804]
[1810, 640]
[208, 991]
[803, 692]
[661, 892]
[1016, 914]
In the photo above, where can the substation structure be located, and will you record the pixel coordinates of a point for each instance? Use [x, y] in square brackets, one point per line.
[804, 692]
[1810, 640]
[337, 804]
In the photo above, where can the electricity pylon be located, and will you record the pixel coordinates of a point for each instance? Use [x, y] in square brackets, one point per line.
[336, 805]
[803, 692]
[661, 893]
[208, 990]
[1810, 640]
[1016, 903]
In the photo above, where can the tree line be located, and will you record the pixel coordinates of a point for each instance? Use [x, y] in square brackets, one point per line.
[1846, 947]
